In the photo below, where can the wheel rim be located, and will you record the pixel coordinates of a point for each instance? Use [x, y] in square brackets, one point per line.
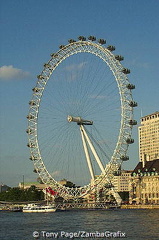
[36, 104]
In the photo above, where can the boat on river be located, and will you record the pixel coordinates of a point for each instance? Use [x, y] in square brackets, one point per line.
[11, 209]
[34, 208]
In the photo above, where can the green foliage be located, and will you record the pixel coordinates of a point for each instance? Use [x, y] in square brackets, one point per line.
[124, 196]
[39, 180]
[17, 194]
[69, 184]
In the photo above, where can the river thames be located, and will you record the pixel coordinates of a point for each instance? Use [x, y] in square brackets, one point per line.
[84, 224]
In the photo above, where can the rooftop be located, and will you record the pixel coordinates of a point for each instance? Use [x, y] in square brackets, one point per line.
[150, 166]
[150, 116]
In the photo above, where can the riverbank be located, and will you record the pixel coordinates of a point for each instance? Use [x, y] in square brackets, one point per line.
[12, 207]
[140, 206]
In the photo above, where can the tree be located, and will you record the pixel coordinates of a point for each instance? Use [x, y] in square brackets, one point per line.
[17, 194]
[69, 184]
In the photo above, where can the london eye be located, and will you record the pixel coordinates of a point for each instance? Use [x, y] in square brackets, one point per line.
[81, 117]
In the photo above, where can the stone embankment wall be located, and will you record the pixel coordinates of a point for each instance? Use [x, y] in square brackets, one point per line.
[140, 206]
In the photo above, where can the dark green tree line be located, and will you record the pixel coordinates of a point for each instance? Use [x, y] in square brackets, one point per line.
[17, 194]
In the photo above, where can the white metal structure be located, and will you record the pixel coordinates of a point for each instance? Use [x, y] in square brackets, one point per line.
[68, 90]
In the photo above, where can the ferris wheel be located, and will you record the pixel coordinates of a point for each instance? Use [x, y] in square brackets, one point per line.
[81, 117]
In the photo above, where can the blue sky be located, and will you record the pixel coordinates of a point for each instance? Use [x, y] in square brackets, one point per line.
[31, 30]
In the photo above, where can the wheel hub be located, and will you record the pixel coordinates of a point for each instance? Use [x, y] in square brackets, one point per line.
[79, 120]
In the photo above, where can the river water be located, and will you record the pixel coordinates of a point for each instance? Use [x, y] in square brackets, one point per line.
[128, 224]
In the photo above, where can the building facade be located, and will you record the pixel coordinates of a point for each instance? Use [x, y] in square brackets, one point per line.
[121, 182]
[149, 137]
[27, 185]
[144, 184]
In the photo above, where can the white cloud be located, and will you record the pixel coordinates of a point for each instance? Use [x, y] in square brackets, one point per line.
[56, 173]
[74, 69]
[9, 72]
[75, 66]
[137, 63]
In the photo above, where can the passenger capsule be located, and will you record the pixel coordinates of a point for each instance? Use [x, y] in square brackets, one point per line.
[92, 38]
[31, 145]
[71, 41]
[29, 131]
[54, 55]
[61, 46]
[46, 65]
[81, 38]
[30, 117]
[40, 77]
[130, 86]
[33, 158]
[111, 48]
[130, 140]
[32, 103]
[119, 57]
[36, 171]
[133, 104]
[36, 89]
[133, 122]
[126, 70]
[102, 41]
[124, 158]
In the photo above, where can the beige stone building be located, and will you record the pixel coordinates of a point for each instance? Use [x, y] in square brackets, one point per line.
[149, 137]
[121, 182]
[27, 185]
[144, 184]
